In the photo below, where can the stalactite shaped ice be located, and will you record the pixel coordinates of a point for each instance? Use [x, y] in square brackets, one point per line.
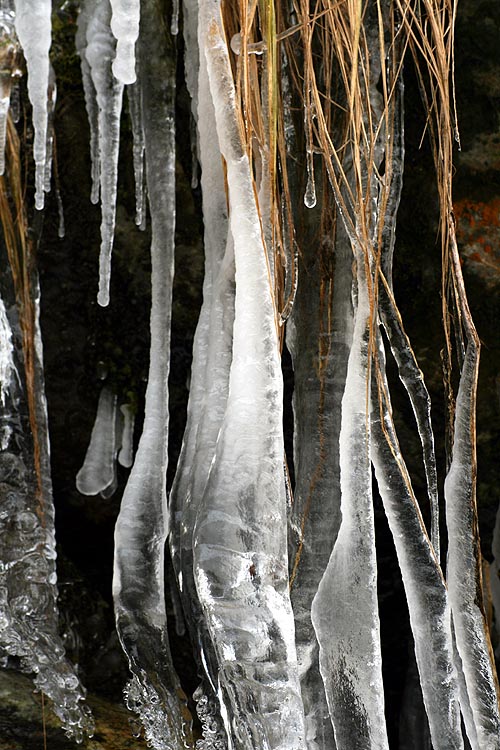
[9, 70]
[98, 468]
[345, 610]
[424, 584]
[134, 108]
[212, 353]
[51, 106]
[409, 372]
[125, 27]
[99, 53]
[239, 539]
[463, 569]
[7, 366]
[126, 452]
[138, 583]
[319, 335]
[34, 30]
[90, 97]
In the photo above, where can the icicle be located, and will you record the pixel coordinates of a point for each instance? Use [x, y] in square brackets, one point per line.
[154, 691]
[99, 52]
[33, 27]
[349, 632]
[90, 98]
[126, 453]
[7, 366]
[422, 577]
[125, 27]
[97, 471]
[409, 372]
[471, 630]
[212, 351]
[51, 105]
[9, 65]
[174, 22]
[134, 107]
[239, 544]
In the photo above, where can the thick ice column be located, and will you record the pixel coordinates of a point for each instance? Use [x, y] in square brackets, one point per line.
[240, 539]
[212, 353]
[125, 27]
[33, 27]
[319, 337]
[99, 52]
[426, 593]
[345, 610]
[141, 528]
[463, 568]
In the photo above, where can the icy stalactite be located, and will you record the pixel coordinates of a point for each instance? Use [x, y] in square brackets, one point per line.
[409, 372]
[98, 468]
[320, 364]
[212, 351]
[9, 70]
[463, 571]
[28, 581]
[126, 452]
[125, 27]
[34, 30]
[138, 584]
[423, 580]
[134, 108]
[239, 538]
[99, 53]
[7, 366]
[90, 98]
[51, 106]
[349, 632]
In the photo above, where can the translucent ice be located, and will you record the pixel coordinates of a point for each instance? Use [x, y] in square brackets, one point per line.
[99, 53]
[471, 631]
[138, 582]
[33, 27]
[9, 64]
[239, 540]
[126, 453]
[98, 469]
[345, 610]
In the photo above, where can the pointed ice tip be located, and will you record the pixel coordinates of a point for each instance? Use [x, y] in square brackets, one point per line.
[39, 201]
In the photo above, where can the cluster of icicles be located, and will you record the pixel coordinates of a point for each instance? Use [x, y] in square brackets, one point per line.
[282, 669]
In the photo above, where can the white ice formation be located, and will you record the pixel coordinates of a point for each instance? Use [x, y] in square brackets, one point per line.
[98, 470]
[34, 31]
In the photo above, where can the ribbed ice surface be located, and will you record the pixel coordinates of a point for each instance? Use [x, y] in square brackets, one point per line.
[345, 610]
[472, 636]
[240, 534]
[138, 583]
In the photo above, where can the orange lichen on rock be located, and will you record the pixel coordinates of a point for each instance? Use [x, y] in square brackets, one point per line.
[478, 234]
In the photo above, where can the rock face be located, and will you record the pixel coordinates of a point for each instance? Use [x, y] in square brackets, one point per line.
[26, 722]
